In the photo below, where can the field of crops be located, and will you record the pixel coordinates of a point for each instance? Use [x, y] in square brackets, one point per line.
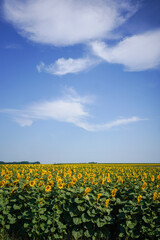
[79, 201]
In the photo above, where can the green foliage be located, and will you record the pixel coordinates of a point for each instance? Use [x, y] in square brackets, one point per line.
[75, 213]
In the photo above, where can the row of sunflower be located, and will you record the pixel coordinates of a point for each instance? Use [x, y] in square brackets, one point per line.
[80, 201]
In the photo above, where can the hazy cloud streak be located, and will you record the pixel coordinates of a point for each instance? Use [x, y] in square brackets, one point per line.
[70, 108]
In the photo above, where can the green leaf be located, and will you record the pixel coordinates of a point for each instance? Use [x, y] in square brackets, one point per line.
[12, 220]
[100, 223]
[21, 197]
[93, 211]
[61, 225]
[79, 201]
[49, 222]
[81, 208]
[121, 235]
[145, 219]
[108, 219]
[34, 221]
[7, 227]
[59, 212]
[77, 220]
[43, 217]
[81, 190]
[118, 201]
[87, 234]
[85, 218]
[26, 225]
[16, 207]
[131, 225]
[42, 225]
[42, 210]
[90, 213]
[53, 229]
[46, 230]
[77, 233]
[57, 236]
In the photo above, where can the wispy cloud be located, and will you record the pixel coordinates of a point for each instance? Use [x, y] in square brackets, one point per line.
[137, 53]
[62, 23]
[107, 126]
[64, 66]
[13, 46]
[70, 108]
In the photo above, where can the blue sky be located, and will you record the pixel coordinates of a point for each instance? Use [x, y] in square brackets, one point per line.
[80, 81]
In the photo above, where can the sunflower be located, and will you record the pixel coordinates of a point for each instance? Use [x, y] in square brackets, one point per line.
[144, 185]
[2, 183]
[50, 177]
[139, 198]
[98, 197]
[155, 196]
[3, 172]
[152, 178]
[48, 188]
[32, 183]
[107, 202]
[79, 176]
[60, 185]
[87, 190]
[114, 192]
[74, 180]
[59, 180]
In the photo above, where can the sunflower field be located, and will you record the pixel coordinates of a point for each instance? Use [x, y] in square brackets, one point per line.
[79, 201]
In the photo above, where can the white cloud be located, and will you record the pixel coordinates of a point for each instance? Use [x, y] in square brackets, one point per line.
[136, 53]
[64, 66]
[107, 126]
[70, 108]
[67, 22]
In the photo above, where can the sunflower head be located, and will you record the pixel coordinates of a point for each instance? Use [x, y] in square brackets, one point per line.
[98, 197]
[2, 183]
[139, 198]
[144, 185]
[107, 202]
[79, 176]
[32, 183]
[60, 185]
[152, 178]
[87, 190]
[49, 177]
[114, 192]
[48, 188]
[155, 196]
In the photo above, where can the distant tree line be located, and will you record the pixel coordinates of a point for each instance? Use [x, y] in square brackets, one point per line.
[22, 162]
